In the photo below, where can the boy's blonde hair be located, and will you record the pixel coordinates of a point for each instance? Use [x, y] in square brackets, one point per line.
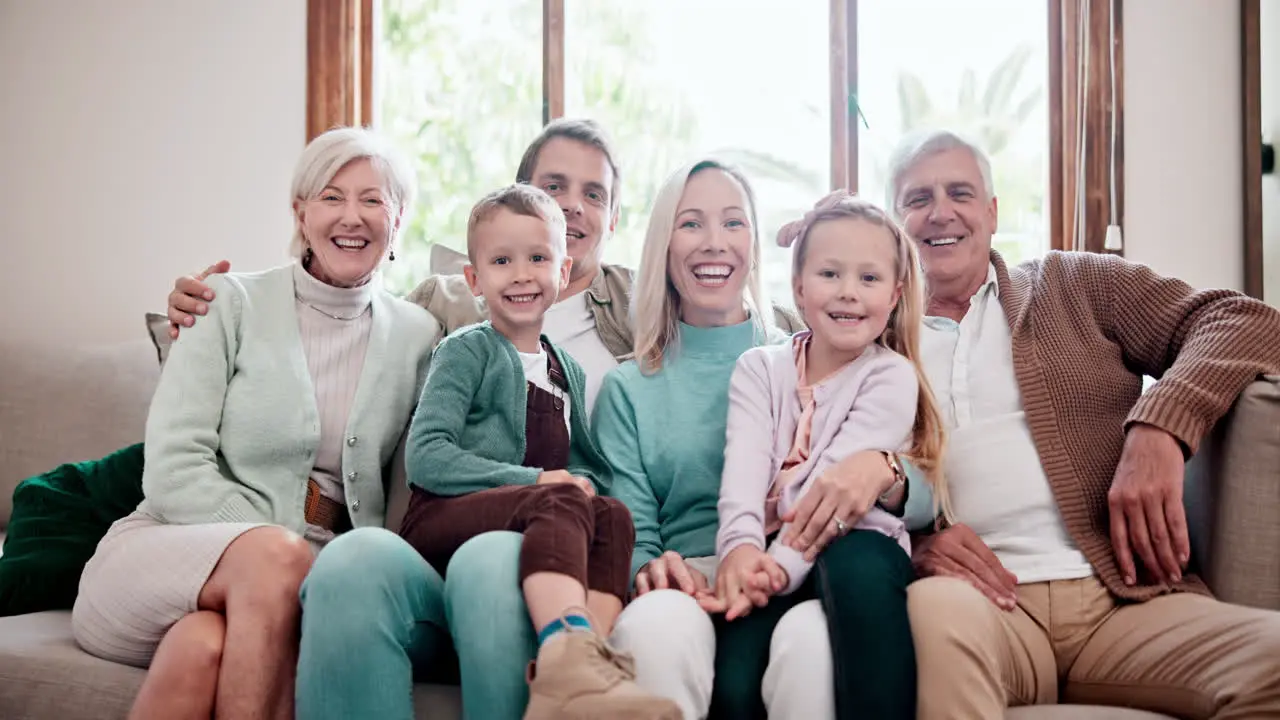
[902, 335]
[655, 304]
[519, 199]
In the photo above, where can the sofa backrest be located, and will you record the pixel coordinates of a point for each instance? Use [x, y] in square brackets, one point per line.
[69, 404]
[1232, 495]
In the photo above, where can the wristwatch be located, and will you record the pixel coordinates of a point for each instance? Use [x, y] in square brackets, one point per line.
[899, 483]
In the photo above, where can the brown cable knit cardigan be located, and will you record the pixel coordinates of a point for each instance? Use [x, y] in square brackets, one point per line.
[1086, 328]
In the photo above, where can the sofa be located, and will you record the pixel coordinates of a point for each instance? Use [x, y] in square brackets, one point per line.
[62, 404]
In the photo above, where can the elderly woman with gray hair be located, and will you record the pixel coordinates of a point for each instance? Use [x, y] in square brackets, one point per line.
[270, 432]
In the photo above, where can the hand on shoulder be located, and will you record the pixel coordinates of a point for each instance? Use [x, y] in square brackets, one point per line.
[191, 296]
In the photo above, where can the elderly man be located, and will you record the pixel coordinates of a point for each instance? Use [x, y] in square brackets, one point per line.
[1064, 577]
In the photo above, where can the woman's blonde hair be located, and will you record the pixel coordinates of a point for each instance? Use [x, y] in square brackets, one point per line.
[902, 335]
[655, 304]
[329, 152]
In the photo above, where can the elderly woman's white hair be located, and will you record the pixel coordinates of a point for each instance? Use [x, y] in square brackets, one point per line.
[331, 151]
[655, 304]
[915, 147]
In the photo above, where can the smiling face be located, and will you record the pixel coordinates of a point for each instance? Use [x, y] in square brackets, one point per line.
[710, 254]
[946, 209]
[848, 284]
[578, 177]
[519, 266]
[348, 225]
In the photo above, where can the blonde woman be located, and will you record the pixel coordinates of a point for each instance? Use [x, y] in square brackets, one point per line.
[270, 431]
[660, 421]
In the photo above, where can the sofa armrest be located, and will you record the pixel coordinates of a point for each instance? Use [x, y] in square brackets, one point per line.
[1232, 495]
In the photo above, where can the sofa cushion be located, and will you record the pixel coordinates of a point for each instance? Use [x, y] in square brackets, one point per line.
[44, 674]
[68, 404]
[1231, 500]
[58, 519]
[1080, 712]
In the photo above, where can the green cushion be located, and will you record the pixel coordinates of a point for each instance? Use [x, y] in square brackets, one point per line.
[58, 519]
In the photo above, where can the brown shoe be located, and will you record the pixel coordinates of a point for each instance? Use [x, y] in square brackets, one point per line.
[577, 676]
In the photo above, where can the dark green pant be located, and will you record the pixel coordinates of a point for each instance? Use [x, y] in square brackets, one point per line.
[861, 580]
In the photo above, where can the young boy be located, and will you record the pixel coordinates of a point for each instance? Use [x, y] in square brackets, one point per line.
[500, 442]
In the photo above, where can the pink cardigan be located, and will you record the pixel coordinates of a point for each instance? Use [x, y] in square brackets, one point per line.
[870, 404]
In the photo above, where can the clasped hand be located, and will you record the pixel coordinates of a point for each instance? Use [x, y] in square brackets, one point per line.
[746, 579]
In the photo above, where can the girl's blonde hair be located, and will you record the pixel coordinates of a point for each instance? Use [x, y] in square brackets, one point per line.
[902, 335]
[655, 304]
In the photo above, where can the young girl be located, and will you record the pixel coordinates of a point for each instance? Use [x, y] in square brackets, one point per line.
[850, 383]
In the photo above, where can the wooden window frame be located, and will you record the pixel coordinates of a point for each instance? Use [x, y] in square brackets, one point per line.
[1251, 149]
[340, 58]
[341, 37]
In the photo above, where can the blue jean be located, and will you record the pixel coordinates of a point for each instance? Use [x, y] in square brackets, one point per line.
[375, 615]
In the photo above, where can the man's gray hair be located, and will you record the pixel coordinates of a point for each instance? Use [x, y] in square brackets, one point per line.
[331, 151]
[915, 147]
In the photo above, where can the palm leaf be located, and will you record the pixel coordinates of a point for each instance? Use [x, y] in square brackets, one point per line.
[913, 101]
[1004, 80]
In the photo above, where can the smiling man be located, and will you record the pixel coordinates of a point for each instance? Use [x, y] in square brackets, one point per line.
[1065, 577]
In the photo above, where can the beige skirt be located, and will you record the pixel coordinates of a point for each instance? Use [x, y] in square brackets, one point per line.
[144, 577]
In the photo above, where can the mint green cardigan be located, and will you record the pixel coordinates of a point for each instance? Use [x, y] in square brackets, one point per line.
[468, 433]
[233, 428]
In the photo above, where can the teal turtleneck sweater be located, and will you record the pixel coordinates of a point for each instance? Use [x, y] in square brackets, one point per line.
[663, 437]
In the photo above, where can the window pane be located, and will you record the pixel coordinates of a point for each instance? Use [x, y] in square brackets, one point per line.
[460, 91]
[914, 75]
[673, 79]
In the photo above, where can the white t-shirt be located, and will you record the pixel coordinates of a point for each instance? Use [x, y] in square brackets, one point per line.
[536, 372]
[570, 325]
[998, 486]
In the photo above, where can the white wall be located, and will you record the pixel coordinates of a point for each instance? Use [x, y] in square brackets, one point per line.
[1269, 23]
[1182, 156]
[140, 139]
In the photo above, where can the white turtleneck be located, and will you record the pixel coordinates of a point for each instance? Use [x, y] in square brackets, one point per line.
[335, 351]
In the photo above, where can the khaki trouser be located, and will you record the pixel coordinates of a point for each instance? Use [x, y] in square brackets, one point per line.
[1183, 655]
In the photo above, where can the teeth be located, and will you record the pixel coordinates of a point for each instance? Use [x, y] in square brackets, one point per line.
[522, 298]
[936, 242]
[352, 243]
[576, 234]
[712, 271]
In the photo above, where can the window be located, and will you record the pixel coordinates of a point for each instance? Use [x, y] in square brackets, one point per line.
[993, 91]
[459, 89]
[673, 80]
[804, 100]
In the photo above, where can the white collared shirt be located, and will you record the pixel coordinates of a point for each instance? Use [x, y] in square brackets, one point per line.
[998, 486]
